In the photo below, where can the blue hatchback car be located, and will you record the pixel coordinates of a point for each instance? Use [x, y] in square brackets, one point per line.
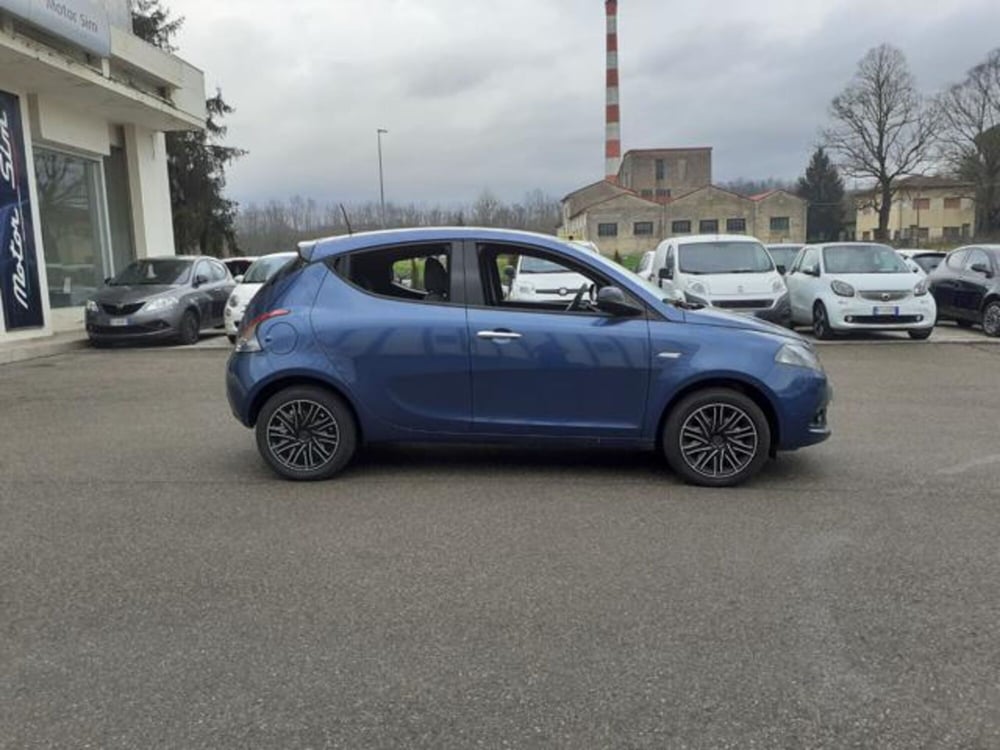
[415, 336]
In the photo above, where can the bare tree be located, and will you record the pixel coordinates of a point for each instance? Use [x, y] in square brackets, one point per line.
[882, 129]
[970, 113]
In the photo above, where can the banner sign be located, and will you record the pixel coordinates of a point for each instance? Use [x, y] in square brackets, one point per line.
[83, 22]
[22, 298]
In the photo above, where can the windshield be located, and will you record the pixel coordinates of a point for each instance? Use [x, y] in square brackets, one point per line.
[540, 265]
[724, 257]
[265, 268]
[784, 256]
[862, 259]
[159, 272]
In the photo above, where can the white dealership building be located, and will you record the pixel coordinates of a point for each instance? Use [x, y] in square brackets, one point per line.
[84, 105]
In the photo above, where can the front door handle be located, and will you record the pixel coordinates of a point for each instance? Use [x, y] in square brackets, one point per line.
[498, 335]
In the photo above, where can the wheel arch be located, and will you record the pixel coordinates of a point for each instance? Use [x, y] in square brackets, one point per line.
[751, 390]
[290, 380]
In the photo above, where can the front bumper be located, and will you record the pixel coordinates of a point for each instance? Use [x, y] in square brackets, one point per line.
[139, 326]
[859, 314]
[804, 413]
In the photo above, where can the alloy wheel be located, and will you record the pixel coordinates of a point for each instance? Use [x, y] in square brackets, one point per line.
[303, 435]
[719, 440]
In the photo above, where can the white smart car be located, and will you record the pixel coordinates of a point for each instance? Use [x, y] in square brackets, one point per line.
[540, 280]
[858, 286]
[259, 271]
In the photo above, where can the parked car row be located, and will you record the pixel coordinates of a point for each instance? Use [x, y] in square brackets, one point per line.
[834, 288]
[174, 298]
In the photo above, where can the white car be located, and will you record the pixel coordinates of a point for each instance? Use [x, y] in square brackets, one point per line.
[732, 272]
[262, 269]
[858, 286]
[538, 280]
[645, 267]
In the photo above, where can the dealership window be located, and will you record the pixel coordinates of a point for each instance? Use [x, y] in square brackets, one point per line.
[921, 204]
[708, 226]
[73, 224]
[779, 223]
[642, 228]
[952, 203]
[682, 226]
[736, 226]
[661, 169]
[119, 209]
[607, 230]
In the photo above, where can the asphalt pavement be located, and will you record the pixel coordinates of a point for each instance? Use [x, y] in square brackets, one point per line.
[160, 588]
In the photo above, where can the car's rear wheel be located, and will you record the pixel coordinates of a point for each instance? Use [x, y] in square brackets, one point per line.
[821, 322]
[189, 328]
[991, 319]
[716, 438]
[306, 433]
[921, 333]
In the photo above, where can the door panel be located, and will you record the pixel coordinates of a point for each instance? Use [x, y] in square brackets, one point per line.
[553, 374]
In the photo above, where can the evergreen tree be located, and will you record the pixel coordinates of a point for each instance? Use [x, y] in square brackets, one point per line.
[824, 190]
[204, 219]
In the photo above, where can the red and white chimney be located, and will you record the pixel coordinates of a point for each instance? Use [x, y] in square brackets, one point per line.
[613, 135]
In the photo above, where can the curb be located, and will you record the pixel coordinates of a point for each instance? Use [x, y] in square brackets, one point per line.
[37, 349]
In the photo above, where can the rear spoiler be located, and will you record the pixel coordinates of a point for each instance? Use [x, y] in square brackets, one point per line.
[306, 250]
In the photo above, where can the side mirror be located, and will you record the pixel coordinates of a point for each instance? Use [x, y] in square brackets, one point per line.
[781, 269]
[811, 271]
[238, 278]
[611, 299]
[509, 273]
[200, 280]
[983, 269]
[666, 273]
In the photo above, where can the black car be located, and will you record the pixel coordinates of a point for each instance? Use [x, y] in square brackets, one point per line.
[966, 287]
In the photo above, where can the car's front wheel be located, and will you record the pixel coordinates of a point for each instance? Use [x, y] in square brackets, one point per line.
[919, 334]
[718, 437]
[189, 328]
[991, 319]
[821, 322]
[306, 433]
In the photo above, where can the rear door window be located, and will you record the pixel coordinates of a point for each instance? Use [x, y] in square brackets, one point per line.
[412, 273]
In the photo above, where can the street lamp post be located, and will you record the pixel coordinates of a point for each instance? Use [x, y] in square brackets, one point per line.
[381, 182]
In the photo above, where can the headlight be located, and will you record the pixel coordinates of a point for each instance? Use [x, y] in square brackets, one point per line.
[233, 302]
[777, 286]
[798, 355]
[920, 289]
[842, 288]
[698, 287]
[160, 303]
[92, 306]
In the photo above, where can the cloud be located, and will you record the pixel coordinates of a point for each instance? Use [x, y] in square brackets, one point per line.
[510, 95]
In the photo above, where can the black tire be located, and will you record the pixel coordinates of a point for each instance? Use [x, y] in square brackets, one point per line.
[189, 328]
[696, 438]
[991, 319]
[821, 323]
[921, 334]
[306, 433]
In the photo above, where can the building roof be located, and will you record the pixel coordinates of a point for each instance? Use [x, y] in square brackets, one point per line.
[598, 192]
[666, 150]
[918, 182]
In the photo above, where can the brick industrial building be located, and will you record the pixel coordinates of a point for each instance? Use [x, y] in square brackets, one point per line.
[662, 193]
[649, 195]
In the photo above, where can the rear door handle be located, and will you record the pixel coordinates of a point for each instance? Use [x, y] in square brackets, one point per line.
[498, 335]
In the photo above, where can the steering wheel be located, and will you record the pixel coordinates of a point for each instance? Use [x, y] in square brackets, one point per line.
[575, 304]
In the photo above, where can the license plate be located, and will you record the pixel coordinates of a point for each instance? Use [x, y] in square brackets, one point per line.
[884, 310]
[118, 322]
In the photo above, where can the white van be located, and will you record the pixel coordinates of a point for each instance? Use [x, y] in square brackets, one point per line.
[727, 271]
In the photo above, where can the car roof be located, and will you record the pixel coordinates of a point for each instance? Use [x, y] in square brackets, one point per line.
[331, 246]
[692, 238]
[282, 254]
[184, 258]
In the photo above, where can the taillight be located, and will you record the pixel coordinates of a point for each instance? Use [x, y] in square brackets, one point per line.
[247, 340]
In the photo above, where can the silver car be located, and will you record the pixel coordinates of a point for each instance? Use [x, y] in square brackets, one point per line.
[168, 298]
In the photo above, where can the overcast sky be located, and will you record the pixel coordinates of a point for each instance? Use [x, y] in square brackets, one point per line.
[509, 95]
